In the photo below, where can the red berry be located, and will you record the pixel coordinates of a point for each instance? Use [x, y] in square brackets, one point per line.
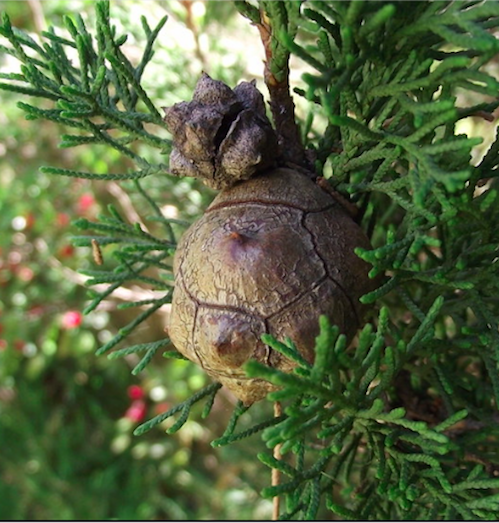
[137, 411]
[135, 392]
[71, 319]
[85, 202]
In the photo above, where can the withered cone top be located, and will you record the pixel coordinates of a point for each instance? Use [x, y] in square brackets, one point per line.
[222, 136]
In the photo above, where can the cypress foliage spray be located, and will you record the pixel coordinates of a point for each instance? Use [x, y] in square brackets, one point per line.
[402, 423]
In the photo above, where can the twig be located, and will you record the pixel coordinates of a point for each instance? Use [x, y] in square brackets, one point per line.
[126, 294]
[38, 16]
[281, 102]
[191, 25]
[276, 475]
[126, 204]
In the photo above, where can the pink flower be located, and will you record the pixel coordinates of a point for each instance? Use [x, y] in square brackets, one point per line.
[85, 202]
[71, 320]
[136, 411]
[135, 392]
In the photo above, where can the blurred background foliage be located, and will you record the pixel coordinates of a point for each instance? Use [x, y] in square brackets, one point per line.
[67, 416]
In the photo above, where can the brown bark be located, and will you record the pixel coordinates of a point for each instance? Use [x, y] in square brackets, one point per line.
[281, 103]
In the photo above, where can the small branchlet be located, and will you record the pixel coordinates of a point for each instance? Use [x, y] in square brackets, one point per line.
[348, 413]
[99, 96]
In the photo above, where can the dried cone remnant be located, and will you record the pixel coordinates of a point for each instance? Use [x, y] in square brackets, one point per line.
[269, 255]
[222, 136]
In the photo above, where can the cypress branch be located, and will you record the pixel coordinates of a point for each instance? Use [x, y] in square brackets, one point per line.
[209, 402]
[407, 408]
[174, 354]
[183, 407]
[137, 348]
[91, 176]
[288, 350]
[123, 333]
[231, 438]
[146, 359]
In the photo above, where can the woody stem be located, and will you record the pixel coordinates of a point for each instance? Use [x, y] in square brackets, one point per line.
[276, 476]
[281, 101]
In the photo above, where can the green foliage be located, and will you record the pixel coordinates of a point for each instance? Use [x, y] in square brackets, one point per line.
[403, 423]
[139, 252]
[100, 99]
[48, 463]
[69, 450]
[349, 425]
[184, 408]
